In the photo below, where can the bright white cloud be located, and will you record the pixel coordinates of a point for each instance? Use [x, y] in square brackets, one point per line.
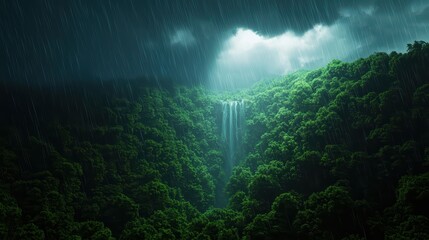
[182, 37]
[248, 56]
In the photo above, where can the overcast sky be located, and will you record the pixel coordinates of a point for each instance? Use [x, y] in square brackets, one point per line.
[219, 43]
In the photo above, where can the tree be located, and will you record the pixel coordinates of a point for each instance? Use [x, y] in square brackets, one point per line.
[29, 232]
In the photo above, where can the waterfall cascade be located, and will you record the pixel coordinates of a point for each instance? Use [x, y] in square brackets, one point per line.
[232, 131]
[233, 118]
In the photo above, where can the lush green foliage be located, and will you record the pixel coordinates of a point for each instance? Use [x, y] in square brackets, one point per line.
[106, 164]
[337, 153]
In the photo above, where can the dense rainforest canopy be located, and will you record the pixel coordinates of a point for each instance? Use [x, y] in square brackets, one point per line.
[341, 152]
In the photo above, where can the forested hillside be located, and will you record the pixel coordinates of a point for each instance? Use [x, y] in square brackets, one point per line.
[341, 152]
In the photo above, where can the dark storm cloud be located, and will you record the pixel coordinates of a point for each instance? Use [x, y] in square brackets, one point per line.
[181, 40]
[423, 15]
[384, 26]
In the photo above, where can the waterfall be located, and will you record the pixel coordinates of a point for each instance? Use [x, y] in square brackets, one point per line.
[232, 131]
[233, 118]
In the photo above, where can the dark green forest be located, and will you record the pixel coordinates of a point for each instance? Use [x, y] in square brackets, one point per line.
[341, 152]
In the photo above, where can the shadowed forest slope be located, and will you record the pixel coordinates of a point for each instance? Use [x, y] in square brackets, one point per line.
[341, 152]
